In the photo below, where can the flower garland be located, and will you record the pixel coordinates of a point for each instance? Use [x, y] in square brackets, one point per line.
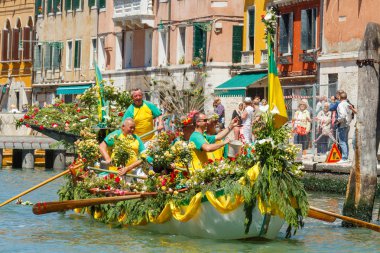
[270, 22]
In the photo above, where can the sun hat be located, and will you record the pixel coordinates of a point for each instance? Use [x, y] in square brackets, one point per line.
[247, 100]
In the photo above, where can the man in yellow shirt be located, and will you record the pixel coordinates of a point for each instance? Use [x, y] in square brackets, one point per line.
[205, 143]
[137, 145]
[143, 112]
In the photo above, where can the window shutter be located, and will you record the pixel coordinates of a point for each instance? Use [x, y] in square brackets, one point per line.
[77, 54]
[197, 41]
[102, 4]
[68, 5]
[26, 43]
[15, 41]
[57, 6]
[304, 30]
[251, 14]
[4, 45]
[56, 57]
[39, 7]
[284, 36]
[47, 59]
[237, 45]
[290, 32]
[37, 57]
[91, 3]
[313, 27]
[76, 4]
[49, 7]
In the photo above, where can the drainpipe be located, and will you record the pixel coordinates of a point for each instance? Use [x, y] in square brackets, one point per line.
[169, 22]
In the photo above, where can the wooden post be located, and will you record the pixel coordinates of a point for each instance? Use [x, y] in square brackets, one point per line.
[361, 186]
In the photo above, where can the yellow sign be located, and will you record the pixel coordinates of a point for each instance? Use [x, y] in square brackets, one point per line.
[334, 154]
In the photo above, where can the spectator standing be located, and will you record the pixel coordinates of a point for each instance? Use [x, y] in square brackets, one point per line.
[344, 119]
[219, 109]
[324, 129]
[237, 114]
[301, 125]
[264, 105]
[247, 118]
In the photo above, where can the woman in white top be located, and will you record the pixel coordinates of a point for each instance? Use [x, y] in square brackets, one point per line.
[324, 129]
[301, 125]
[247, 117]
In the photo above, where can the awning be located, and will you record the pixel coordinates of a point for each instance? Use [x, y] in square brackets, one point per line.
[74, 89]
[238, 84]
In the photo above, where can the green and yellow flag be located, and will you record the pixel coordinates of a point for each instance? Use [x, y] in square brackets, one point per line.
[276, 98]
[101, 102]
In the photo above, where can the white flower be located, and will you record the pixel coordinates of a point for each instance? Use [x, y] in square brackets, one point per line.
[268, 16]
[275, 110]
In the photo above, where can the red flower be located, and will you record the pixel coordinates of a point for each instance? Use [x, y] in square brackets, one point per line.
[105, 177]
[232, 159]
[112, 176]
[172, 176]
[36, 110]
[21, 120]
[121, 114]
[117, 180]
[210, 161]
[163, 182]
[78, 110]
[54, 125]
[41, 127]
[84, 160]
[262, 16]
[27, 125]
[26, 116]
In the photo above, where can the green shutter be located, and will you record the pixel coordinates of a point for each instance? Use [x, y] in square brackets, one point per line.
[49, 9]
[102, 4]
[237, 45]
[47, 58]
[39, 7]
[56, 57]
[251, 14]
[199, 41]
[284, 33]
[76, 4]
[290, 32]
[77, 54]
[37, 57]
[57, 6]
[91, 3]
[313, 27]
[68, 5]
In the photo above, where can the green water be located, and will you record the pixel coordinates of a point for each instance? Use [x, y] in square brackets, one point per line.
[22, 231]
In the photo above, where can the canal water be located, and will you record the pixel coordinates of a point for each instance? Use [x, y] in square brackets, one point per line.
[22, 231]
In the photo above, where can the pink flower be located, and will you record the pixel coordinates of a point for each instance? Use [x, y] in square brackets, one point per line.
[54, 125]
[117, 180]
[36, 110]
[27, 125]
[41, 127]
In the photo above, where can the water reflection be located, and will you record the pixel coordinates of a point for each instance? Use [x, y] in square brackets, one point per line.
[22, 231]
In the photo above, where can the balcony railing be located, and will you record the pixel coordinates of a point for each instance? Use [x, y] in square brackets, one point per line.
[264, 56]
[247, 57]
[133, 10]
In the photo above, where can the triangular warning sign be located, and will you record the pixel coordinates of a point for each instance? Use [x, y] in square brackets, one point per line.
[334, 154]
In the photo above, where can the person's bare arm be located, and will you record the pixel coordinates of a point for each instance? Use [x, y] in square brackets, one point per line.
[104, 153]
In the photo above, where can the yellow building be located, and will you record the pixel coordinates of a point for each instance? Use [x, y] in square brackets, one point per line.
[16, 20]
[254, 45]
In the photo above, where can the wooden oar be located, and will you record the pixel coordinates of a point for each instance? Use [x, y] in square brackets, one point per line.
[59, 206]
[35, 187]
[148, 133]
[357, 222]
[115, 172]
[320, 216]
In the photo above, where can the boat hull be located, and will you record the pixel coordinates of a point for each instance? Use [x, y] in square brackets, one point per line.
[209, 223]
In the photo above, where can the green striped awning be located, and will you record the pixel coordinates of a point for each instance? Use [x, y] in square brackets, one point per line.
[238, 84]
[74, 89]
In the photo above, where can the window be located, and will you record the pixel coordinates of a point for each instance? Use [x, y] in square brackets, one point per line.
[69, 54]
[56, 61]
[37, 57]
[119, 51]
[162, 48]
[251, 29]
[17, 33]
[27, 43]
[237, 43]
[199, 42]
[148, 48]
[308, 26]
[128, 49]
[40, 7]
[286, 33]
[47, 56]
[54, 6]
[102, 54]
[333, 84]
[69, 5]
[101, 4]
[93, 53]
[77, 5]
[77, 54]
[6, 43]
[181, 45]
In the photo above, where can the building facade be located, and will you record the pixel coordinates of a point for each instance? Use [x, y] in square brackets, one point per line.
[65, 48]
[16, 19]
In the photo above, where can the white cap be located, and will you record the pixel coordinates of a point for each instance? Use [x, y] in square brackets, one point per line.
[247, 100]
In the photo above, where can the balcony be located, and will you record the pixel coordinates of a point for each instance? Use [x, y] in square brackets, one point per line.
[133, 13]
[264, 57]
[247, 57]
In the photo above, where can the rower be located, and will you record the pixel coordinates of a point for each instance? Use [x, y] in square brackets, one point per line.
[143, 112]
[213, 128]
[127, 130]
[205, 143]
